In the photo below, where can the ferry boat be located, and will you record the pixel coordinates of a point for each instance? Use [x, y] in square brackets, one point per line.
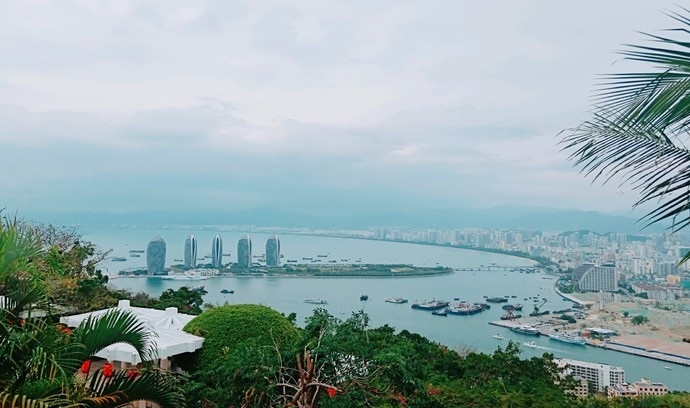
[316, 301]
[529, 330]
[567, 337]
[431, 305]
[396, 300]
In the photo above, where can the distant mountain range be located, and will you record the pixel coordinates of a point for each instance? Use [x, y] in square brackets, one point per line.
[508, 217]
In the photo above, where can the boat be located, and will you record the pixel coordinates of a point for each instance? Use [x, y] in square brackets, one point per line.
[667, 368]
[510, 316]
[136, 251]
[179, 260]
[190, 275]
[134, 255]
[304, 258]
[535, 313]
[440, 312]
[364, 297]
[332, 261]
[512, 307]
[431, 305]
[396, 300]
[496, 300]
[292, 260]
[567, 337]
[118, 259]
[227, 291]
[526, 329]
[316, 301]
[322, 255]
[498, 336]
[465, 309]
[530, 344]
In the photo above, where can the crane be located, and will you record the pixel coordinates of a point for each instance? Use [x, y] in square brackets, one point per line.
[537, 309]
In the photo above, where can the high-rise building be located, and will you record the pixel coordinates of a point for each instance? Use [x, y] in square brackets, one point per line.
[155, 256]
[190, 251]
[244, 252]
[273, 251]
[217, 252]
[600, 278]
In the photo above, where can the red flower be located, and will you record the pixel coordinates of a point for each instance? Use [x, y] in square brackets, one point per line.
[331, 392]
[85, 366]
[68, 331]
[107, 370]
[132, 373]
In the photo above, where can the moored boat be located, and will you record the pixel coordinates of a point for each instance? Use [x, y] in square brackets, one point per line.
[496, 300]
[567, 337]
[440, 312]
[431, 305]
[395, 300]
[526, 329]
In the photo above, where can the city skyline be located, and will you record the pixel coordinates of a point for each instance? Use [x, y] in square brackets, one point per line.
[353, 106]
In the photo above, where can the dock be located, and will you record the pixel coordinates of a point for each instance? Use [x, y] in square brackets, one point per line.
[642, 346]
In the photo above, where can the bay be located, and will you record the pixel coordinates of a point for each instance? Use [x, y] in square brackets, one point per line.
[343, 294]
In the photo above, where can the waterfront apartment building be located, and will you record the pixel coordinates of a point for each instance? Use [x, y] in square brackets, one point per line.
[244, 252]
[155, 256]
[217, 252]
[273, 251]
[601, 376]
[603, 278]
[190, 252]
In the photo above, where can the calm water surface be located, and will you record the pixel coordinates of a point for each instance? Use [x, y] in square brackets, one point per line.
[287, 294]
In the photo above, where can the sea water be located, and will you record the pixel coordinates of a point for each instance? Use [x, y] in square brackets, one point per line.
[478, 274]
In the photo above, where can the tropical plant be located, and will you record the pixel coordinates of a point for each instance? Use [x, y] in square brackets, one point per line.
[638, 131]
[47, 365]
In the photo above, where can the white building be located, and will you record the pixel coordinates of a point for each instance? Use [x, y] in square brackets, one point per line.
[601, 376]
[600, 278]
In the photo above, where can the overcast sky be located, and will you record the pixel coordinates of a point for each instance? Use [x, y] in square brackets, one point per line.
[312, 106]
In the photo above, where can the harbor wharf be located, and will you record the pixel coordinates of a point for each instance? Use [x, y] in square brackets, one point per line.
[641, 346]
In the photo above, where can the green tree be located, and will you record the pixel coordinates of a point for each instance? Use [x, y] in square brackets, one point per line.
[639, 319]
[39, 360]
[638, 131]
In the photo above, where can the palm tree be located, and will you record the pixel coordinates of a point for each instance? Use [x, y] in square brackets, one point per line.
[40, 362]
[638, 131]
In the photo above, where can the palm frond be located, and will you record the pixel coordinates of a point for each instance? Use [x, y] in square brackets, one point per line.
[638, 129]
[116, 326]
[159, 387]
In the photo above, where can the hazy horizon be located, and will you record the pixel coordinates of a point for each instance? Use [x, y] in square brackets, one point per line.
[322, 108]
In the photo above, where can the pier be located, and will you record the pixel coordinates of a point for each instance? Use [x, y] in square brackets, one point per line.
[641, 346]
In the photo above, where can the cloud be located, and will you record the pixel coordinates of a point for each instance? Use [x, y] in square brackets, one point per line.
[325, 106]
